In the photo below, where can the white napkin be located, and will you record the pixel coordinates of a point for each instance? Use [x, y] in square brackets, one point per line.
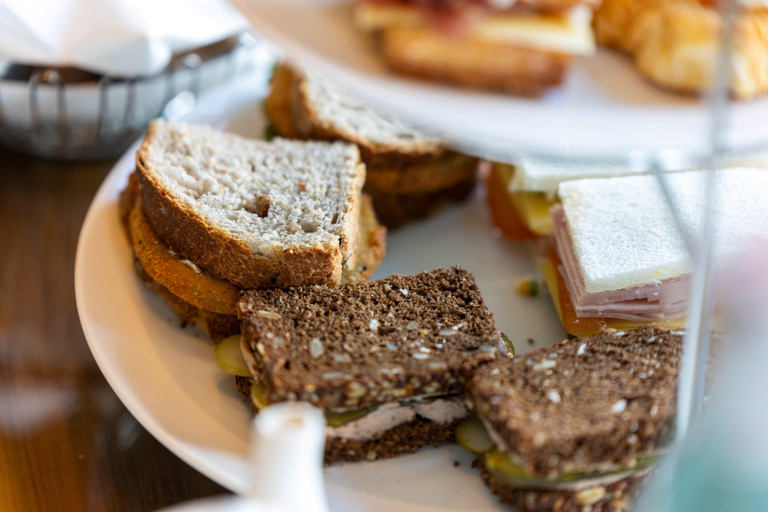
[116, 37]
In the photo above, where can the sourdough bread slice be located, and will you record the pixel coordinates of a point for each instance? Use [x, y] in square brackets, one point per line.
[304, 104]
[207, 301]
[369, 343]
[255, 213]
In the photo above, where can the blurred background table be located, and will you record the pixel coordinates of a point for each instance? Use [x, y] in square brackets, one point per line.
[66, 441]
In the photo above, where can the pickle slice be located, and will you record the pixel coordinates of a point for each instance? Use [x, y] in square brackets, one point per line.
[229, 357]
[472, 436]
[337, 419]
[507, 472]
[510, 346]
[259, 395]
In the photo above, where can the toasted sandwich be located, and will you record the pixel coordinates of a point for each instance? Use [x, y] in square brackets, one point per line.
[518, 47]
[674, 43]
[576, 426]
[213, 194]
[409, 174]
[617, 259]
[385, 360]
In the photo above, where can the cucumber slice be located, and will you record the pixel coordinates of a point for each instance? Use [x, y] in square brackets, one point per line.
[510, 346]
[337, 419]
[471, 435]
[230, 359]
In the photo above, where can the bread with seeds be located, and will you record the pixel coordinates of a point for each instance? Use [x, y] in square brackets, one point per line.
[386, 360]
[580, 423]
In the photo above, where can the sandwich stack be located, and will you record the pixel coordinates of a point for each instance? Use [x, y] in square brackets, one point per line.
[410, 174]
[385, 360]
[576, 426]
[617, 259]
[209, 214]
[520, 47]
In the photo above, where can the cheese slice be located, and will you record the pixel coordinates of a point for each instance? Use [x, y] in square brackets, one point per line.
[569, 33]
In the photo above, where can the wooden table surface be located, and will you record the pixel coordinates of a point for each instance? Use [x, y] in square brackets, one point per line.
[66, 441]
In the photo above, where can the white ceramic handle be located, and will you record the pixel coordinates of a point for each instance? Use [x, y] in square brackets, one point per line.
[286, 458]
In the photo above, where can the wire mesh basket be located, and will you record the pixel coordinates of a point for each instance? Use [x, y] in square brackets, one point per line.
[66, 113]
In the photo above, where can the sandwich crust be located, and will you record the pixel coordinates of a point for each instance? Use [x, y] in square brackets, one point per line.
[424, 53]
[225, 257]
[217, 326]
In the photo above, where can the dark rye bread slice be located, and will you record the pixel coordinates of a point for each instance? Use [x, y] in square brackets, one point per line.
[616, 496]
[369, 343]
[255, 213]
[599, 401]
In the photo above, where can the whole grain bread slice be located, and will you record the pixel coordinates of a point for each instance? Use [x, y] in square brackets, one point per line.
[369, 343]
[204, 300]
[599, 401]
[255, 213]
[304, 104]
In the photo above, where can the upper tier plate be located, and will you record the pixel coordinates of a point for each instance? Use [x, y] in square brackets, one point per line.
[604, 111]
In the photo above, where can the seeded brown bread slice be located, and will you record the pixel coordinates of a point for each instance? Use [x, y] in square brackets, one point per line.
[255, 213]
[613, 497]
[599, 401]
[369, 343]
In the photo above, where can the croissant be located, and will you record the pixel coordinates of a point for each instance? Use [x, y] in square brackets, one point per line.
[675, 43]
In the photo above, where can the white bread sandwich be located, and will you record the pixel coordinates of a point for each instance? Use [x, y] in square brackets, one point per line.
[518, 47]
[674, 43]
[520, 196]
[616, 258]
[209, 214]
[409, 173]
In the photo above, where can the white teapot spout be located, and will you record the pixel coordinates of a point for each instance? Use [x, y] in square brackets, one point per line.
[286, 466]
[287, 446]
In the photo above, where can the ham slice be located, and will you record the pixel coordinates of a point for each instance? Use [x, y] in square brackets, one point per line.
[664, 300]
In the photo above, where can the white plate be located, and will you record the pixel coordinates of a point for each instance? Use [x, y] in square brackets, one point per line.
[167, 378]
[605, 110]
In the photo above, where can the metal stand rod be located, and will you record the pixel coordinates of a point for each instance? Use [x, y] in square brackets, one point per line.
[696, 344]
